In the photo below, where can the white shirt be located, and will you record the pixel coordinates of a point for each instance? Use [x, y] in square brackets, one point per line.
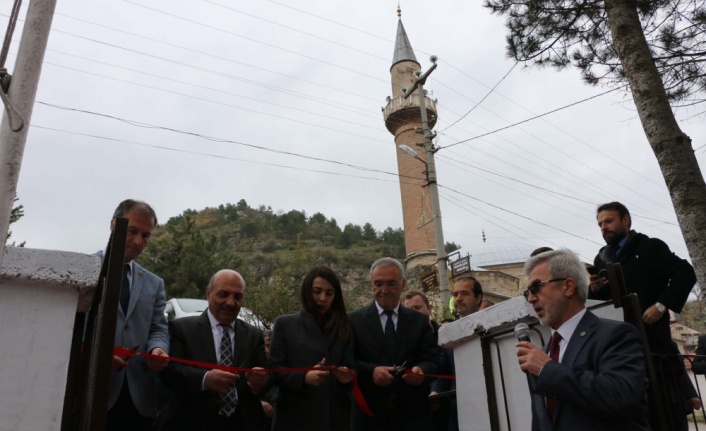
[383, 316]
[567, 330]
[217, 331]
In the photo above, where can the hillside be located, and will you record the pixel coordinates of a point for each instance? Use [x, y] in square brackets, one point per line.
[273, 252]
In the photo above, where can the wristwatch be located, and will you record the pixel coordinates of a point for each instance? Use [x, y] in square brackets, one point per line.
[660, 307]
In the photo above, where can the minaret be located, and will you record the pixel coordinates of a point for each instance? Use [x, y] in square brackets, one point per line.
[403, 120]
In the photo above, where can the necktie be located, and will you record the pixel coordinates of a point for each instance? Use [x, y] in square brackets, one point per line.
[390, 329]
[125, 288]
[229, 400]
[554, 355]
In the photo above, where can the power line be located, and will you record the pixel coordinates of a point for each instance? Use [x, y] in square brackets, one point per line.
[207, 88]
[215, 139]
[518, 215]
[202, 69]
[481, 100]
[217, 156]
[229, 105]
[530, 119]
[351, 93]
[577, 139]
[209, 71]
[544, 189]
[297, 30]
[257, 41]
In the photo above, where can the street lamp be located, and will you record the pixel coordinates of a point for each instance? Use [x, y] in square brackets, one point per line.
[431, 181]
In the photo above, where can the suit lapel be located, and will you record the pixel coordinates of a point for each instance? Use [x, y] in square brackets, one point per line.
[584, 331]
[239, 344]
[205, 335]
[402, 329]
[373, 320]
[312, 329]
[138, 282]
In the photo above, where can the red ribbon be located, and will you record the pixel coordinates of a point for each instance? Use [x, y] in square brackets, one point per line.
[357, 394]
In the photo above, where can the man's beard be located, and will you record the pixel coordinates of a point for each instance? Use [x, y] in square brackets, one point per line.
[615, 238]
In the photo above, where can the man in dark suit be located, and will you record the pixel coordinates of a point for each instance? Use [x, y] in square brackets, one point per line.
[468, 295]
[662, 282]
[591, 375]
[132, 397]
[389, 337]
[216, 400]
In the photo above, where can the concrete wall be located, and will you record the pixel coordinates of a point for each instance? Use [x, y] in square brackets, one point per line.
[40, 292]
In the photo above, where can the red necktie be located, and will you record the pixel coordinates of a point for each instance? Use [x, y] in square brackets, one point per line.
[554, 355]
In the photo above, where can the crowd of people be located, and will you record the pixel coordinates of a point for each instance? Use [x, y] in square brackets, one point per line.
[325, 368]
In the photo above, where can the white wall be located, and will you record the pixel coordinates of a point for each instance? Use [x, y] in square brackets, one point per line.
[39, 295]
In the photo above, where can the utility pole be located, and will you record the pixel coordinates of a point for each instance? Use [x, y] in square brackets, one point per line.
[19, 102]
[433, 187]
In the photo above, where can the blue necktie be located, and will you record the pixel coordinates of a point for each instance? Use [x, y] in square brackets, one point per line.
[125, 289]
[390, 329]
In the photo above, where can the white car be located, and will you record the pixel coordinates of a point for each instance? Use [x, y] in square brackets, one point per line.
[177, 308]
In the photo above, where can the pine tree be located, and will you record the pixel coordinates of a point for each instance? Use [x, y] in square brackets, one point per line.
[657, 48]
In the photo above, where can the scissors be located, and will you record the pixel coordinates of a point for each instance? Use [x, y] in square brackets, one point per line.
[400, 370]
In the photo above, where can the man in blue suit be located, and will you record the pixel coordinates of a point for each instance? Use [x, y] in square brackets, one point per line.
[591, 375]
[133, 394]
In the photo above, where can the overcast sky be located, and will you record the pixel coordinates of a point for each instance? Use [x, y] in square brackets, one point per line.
[130, 91]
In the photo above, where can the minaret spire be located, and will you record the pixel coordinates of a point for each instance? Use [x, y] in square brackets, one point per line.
[403, 49]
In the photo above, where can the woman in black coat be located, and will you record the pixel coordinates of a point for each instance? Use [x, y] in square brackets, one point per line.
[319, 335]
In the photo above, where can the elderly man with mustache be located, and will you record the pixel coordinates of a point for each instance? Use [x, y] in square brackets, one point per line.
[216, 400]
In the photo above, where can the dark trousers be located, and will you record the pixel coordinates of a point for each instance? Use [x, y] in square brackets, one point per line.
[394, 419]
[124, 415]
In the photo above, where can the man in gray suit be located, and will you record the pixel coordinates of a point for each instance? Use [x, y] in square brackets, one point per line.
[591, 375]
[133, 393]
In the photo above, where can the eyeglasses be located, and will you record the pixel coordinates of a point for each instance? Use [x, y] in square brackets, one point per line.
[534, 287]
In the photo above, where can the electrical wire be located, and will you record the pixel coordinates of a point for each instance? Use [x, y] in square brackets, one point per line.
[481, 100]
[531, 119]
[216, 139]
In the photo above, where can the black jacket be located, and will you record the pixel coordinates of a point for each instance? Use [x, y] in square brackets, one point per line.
[657, 275]
[415, 345]
[297, 341]
[190, 408]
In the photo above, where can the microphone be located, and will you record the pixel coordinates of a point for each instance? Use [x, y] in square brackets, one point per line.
[522, 333]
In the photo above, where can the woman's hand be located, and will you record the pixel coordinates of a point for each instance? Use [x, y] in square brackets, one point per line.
[315, 378]
[343, 374]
